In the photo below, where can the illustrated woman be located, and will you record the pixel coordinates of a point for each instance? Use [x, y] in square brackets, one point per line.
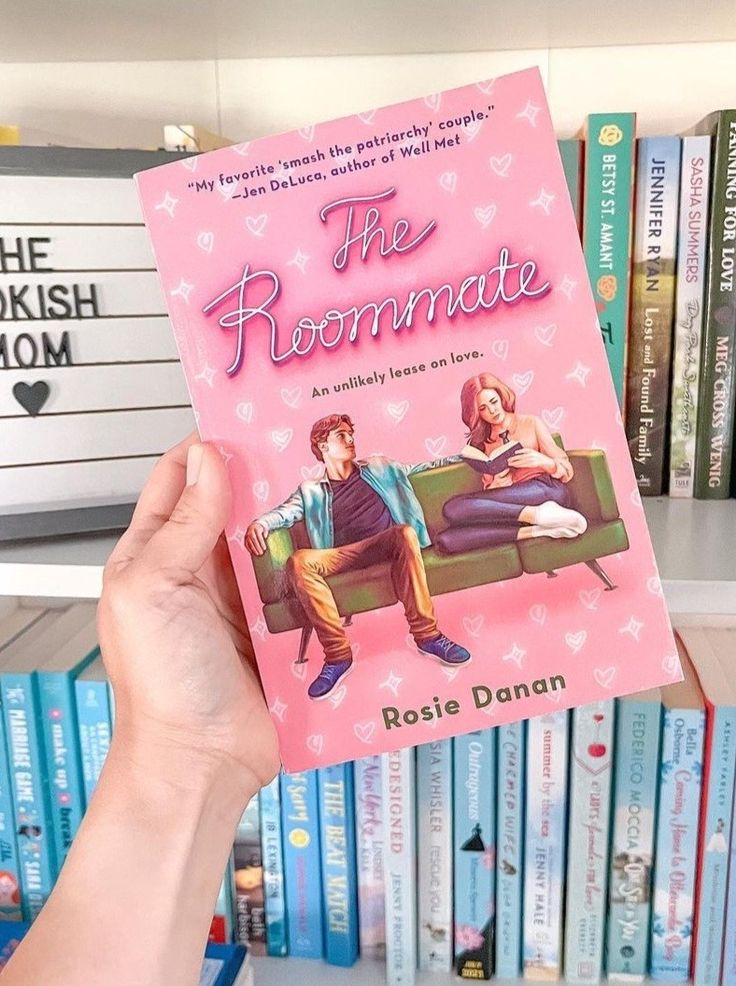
[524, 473]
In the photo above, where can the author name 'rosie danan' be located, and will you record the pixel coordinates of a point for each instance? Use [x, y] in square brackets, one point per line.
[480, 695]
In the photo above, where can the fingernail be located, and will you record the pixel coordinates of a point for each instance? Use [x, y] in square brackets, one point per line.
[194, 463]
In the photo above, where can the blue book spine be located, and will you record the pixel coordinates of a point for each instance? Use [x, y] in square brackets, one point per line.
[545, 844]
[273, 869]
[435, 852]
[339, 868]
[474, 843]
[636, 772]
[510, 855]
[63, 758]
[10, 893]
[302, 871]
[713, 876]
[29, 785]
[94, 725]
[369, 838]
[728, 974]
[676, 843]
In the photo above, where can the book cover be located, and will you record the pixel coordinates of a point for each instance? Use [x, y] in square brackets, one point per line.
[711, 652]
[58, 712]
[370, 833]
[571, 152]
[474, 838]
[273, 868]
[434, 851]
[510, 798]
[607, 229]
[544, 848]
[302, 871]
[649, 363]
[222, 926]
[591, 760]
[339, 875]
[676, 840]
[689, 301]
[714, 441]
[94, 721]
[222, 963]
[636, 773]
[398, 779]
[354, 304]
[249, 898]
[11, 935]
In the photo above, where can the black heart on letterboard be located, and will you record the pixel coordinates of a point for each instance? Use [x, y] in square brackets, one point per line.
[32, 398]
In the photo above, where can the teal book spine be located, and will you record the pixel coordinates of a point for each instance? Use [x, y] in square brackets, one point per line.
[63, 758]
[591, 764]
[10, 892]
[339, 871]
[302, 870]
[273, 869]
[29, 785]
[680, 788]
[636, 773]
[607, 229]
[94, 728]
[710, 909]
[571, 153]
[510, 777]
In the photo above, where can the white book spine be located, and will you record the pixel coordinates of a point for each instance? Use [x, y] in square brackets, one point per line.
[434, 855]
[398, 776]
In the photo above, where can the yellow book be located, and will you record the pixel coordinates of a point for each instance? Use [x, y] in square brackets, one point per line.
[9, 134]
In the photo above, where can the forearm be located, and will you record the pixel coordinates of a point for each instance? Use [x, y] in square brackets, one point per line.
[134, 901]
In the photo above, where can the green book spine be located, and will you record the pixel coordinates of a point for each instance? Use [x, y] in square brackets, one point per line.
[607, 220]
[571, 152]
[714, 441]
[652, 308]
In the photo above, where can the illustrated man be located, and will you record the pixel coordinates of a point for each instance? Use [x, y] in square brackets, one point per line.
[359, 513]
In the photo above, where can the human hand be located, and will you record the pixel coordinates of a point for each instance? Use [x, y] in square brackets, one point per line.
[501, 479]
[255, 538]
[173, 634]
[529, 458]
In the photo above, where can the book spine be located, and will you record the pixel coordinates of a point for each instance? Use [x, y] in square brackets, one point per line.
[273, 868]
[571, 153]
[607, 219]
[94, 726]
[339, 875]
[302, 871]
[587, 854]
[250, 910]
[636, 770]
[222, 926]
[717, 802]
[29, 785]
[510, 856]
[398, 779]
[652, 308]
[689, 300]
[370, 836]
[63, 758]
[714, 442]
[10, 878]
[544, 852]
[728, 973]
[474, 838]
[434, 849]
[676, 844]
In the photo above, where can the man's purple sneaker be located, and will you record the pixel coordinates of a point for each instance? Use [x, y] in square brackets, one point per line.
[328, 678]
[443, 648]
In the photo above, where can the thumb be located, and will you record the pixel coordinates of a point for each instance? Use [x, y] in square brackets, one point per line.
[189, 536]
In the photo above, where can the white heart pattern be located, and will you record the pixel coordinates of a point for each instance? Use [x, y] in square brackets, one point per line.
[604, 676]
[337, 696]
[500, 348]
[315, 742]
[546, 333]
[671, 664]
[299, 670]
[434, 446]
[654, 585]
[364, 731]
[398, 411]
[448, 181]
[553, 417]
[282, 438]
[205, 241]
[501, 165]
[522, 382]
[307, 133]
[367, 117]
[538, 614]
[245, 411]
[485, 214]
[589, 598]
[312, 472]
[486, 86]
[576, 640]
[450, 673]
[256, 224]
[261, 490]
[635, 497]
[471, 130]
[433, 101]
[241, 149]
[291, 397]
[473, 624]
[190, 163]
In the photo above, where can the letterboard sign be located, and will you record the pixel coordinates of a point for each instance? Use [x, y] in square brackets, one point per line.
[91, 388]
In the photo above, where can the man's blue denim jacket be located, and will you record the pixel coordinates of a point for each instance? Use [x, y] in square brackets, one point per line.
[312, 501]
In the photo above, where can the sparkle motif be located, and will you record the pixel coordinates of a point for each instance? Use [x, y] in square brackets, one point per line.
[168, 204]
[227, 456]
[207, 374]
[544, 200]
[529, 113]
[238, 536]
[633, 627]
[299, 260]
[242, 149]
[392, 683]
[260, 627]
[278, 709]
[580, 373]
[182, 290]
[516, 654]
[567, 286]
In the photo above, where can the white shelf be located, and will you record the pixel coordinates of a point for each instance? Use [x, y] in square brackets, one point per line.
[692, 541]
[73, 30]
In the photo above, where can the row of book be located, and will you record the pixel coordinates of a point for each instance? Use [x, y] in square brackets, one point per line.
[658, 224]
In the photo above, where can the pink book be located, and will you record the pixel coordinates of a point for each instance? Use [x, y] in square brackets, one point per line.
[386, 327]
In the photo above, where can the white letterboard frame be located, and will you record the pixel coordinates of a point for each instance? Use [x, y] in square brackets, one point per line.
[91, 388]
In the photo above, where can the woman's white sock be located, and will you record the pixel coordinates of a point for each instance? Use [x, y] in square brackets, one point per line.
[552, 515]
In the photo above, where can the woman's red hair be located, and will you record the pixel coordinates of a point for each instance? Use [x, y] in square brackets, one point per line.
[479, 431]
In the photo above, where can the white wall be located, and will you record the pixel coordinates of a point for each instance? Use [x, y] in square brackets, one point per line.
[126, 104]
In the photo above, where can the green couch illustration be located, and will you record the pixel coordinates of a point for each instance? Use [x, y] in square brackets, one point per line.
[370, 588]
